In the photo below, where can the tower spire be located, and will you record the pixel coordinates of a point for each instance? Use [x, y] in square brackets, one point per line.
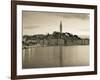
[60, 26]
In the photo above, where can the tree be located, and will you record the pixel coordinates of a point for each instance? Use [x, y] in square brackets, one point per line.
[76, 37]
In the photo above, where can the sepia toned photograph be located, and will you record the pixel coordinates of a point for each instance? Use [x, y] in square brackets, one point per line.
[55, 39]
[52, 39]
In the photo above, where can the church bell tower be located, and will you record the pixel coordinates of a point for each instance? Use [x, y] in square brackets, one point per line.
[60, 26]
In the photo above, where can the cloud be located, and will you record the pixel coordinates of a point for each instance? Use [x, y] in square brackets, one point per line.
[73, 15]
[31, 27]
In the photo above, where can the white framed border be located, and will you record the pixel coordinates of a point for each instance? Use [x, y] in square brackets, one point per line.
[21, 71]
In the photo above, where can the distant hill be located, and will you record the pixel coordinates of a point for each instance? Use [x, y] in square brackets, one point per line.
[56, 38]
[54, 35]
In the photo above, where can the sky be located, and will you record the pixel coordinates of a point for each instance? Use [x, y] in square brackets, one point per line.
[48, 22]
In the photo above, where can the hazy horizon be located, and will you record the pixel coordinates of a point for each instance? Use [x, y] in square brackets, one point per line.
[48, 22]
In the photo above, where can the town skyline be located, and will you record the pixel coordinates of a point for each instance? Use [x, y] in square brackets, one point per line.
[34, 23]
[54, 39]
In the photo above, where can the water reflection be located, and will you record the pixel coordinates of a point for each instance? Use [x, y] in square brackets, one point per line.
[55, 56]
